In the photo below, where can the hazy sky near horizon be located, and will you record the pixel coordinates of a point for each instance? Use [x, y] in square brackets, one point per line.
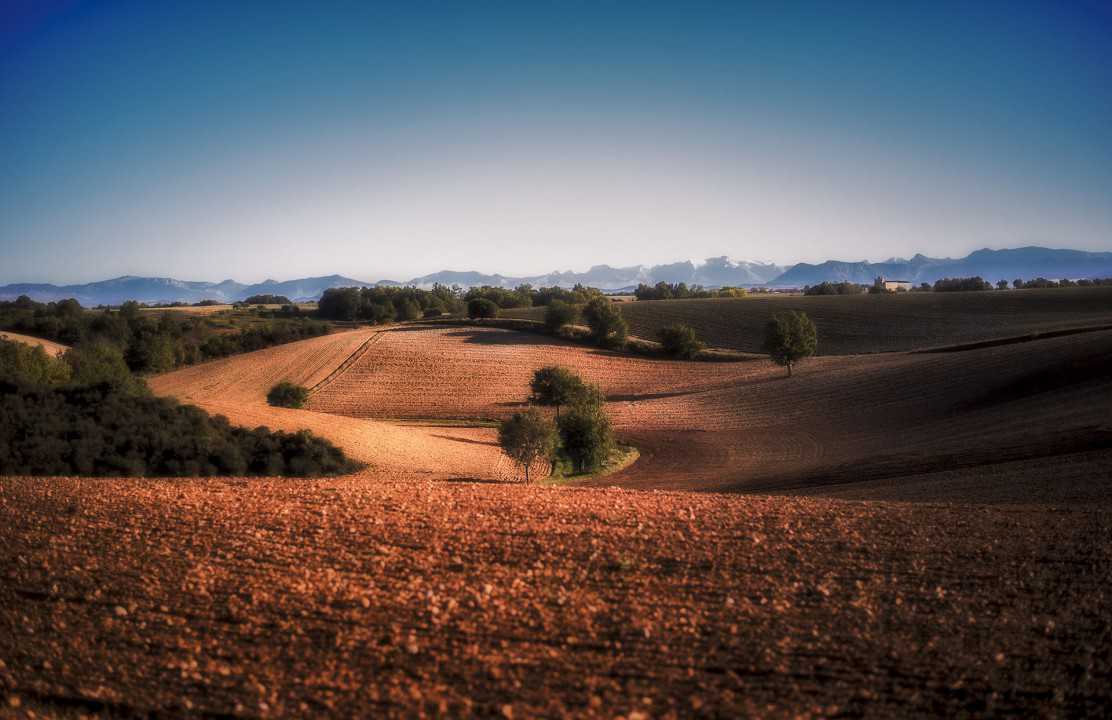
[208, 140]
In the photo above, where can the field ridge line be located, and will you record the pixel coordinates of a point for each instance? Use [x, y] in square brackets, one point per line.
[348, 362]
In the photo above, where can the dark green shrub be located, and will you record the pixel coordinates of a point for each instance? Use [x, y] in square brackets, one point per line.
[679, 340]
[608, 327]
[22, 364]
[99, 430]
[586, 435]
[482, 308]
[287, 395]
[558, 314]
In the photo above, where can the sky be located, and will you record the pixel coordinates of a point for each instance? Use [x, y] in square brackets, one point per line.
[212, 140]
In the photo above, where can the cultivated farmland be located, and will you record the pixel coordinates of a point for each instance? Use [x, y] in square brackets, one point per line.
[402, 596]
[429, 583]
[873, 323]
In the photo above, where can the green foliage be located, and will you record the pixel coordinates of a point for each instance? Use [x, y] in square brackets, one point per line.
[101, 363]
[790, 337]
[556, 386]
[267, 300]
[481, 308]
[961, 284]
[153, 342]
[22, 364]
[608, 328]
[680, 341]
[99, 430]
[287, 395]
[586, 435]
[840, 288]
[387, 303]
[558, 314]
[527, 437]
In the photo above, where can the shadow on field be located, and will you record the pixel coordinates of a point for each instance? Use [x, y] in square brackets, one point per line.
[466, 440]
[470, 480]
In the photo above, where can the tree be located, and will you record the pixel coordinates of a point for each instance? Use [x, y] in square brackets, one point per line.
[587, 436]
[527, 437]
[100, 362]
[558, 314]
[23, 364]
[481, 308]
[555, 386]
[680, 341]
[790, 337]
[1001, 284]
[288, 395]
[1017, 283]
[608, 327]
[407, 310]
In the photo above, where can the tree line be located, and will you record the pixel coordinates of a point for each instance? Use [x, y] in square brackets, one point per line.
[680, 291]
[152, 342]
[87, 414]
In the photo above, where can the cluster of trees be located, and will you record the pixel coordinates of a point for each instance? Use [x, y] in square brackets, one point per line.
[388, 304]
[839, 288]
[267, 300]
[961, 284]
[86, 414]
[790, 337]
[98, 430]
[525, 295]
[150, 342]
[678, 291]
[581, 435]
[1020, 284]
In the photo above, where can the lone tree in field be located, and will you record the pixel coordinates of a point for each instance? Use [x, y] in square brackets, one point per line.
[481, 308]
[680, 341]
[585, 430]
[554, 386]
[527, 437]
[558, 314]
[608, 327]
[790, 337]
[287, 395]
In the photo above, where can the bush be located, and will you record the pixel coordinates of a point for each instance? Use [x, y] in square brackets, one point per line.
[527, 437]
[99, 363]
[840, 288]
[287, 395]
[608, 327]
[679, 340]
[22, 364]
[99, 430]
[790, 337]
[558, 314]
[586, 434]
[481, 308]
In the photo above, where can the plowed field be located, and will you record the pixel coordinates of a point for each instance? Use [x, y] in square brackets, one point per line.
[874, 323]
[372, 596]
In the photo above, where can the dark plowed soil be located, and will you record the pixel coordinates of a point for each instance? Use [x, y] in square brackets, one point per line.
[376, 597]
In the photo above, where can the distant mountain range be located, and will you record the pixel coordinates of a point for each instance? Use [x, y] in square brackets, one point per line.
[992, 265]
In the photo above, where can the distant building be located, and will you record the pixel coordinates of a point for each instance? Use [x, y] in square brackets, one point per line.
[895, 285]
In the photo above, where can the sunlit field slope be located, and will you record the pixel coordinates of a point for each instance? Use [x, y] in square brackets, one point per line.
[51, 348]
[874, 323]
[899, 418]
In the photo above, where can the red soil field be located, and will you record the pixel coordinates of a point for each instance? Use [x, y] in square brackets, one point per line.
[379, 596]
[427, 585]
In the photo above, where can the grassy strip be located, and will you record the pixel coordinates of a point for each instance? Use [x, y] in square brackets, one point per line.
[621, 457]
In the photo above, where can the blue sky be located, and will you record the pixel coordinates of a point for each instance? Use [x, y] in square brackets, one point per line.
[271, 139]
